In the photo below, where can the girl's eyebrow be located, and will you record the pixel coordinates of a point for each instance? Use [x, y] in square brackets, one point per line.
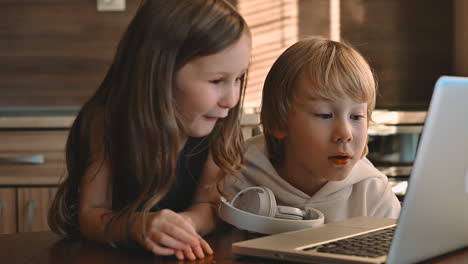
[226, 73]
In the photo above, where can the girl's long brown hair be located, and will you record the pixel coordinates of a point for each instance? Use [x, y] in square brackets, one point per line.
[141, 127]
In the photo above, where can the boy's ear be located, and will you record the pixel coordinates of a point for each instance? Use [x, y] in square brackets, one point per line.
[366, 149]
[279, 134]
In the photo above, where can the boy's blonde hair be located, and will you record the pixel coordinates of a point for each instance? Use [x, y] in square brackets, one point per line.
[334, 70]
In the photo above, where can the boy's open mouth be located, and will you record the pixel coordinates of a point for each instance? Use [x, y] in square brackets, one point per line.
[339, 157]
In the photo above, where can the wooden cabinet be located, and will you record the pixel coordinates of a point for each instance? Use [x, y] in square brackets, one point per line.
[32, 164]
[24, 209]
[8, 223]
[33, 205]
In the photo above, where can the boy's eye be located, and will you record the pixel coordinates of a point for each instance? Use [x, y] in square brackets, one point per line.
[238, 79]
[324, 116]
[357, 117]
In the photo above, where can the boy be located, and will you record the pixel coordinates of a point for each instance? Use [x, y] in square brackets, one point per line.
[317, 103]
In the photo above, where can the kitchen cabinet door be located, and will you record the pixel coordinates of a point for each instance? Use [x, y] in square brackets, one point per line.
[8, 210]
[33, 207]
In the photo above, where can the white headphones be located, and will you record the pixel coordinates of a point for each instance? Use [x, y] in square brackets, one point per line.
[254, 209]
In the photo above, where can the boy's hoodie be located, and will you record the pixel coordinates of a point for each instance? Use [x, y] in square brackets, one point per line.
[365, 192]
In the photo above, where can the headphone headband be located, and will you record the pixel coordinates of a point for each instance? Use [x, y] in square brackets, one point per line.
[263, 224]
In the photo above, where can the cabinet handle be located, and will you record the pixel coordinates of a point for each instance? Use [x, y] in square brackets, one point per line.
[32, 205]
[35, 159]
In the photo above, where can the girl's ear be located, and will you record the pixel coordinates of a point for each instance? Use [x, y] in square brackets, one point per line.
[279, 134]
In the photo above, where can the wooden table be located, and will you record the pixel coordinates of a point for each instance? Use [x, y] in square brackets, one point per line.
[47, 247]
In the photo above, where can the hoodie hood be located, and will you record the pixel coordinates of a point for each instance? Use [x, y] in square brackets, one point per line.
[259, 171]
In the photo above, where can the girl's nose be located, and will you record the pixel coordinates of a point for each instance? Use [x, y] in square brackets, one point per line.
[230, 96]
[342, 132]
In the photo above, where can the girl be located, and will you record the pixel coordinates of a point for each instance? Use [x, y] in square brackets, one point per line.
[317, 102]
[145, 152]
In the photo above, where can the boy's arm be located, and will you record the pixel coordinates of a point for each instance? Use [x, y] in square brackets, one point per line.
[203, 212]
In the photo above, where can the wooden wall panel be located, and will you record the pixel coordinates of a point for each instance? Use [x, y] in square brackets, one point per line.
[461, 37]
[56, 52]
[408, 43]
[314, 18]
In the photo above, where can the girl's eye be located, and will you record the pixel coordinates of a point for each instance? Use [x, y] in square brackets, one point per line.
[357, 117]
[324, 116]
[217, 81]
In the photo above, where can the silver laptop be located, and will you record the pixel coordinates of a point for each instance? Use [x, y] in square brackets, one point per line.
[434, 217]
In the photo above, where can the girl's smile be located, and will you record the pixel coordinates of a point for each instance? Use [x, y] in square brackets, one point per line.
[208, 87]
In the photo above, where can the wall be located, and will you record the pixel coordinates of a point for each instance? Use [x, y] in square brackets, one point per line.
[314, 18]
[461, 37]
[56, 52]
[409, 44]
[274, 27]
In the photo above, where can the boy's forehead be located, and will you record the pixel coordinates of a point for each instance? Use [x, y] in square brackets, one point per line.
[303, 84]
[304, 87]
[311, 88]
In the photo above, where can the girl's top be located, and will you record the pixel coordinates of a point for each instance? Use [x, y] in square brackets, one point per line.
[191, 161]
[189, 168]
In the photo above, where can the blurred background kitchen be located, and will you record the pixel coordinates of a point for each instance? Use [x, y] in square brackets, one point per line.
[54, 54]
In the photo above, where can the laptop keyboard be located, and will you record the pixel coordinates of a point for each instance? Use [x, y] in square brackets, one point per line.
[372, 245]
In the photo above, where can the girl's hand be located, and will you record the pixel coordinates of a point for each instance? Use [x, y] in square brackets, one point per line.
[194, 253]
[168, 232]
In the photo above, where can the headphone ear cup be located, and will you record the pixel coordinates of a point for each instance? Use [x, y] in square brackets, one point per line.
[290, 213]
[256, 200]
[268, 206]
[267, 202]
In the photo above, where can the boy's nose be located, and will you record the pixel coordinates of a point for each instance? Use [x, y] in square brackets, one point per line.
[342, 132]
[230, 96]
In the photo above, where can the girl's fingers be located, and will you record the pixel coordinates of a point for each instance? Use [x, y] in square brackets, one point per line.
[179, 255]
[173, 225]
[198, 252]
[189, 254]
[167, 241]
[156, 249]
[182, 236]
[206, 247]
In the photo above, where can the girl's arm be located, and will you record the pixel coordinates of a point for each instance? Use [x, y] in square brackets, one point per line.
[166, 230]
[203, 210]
